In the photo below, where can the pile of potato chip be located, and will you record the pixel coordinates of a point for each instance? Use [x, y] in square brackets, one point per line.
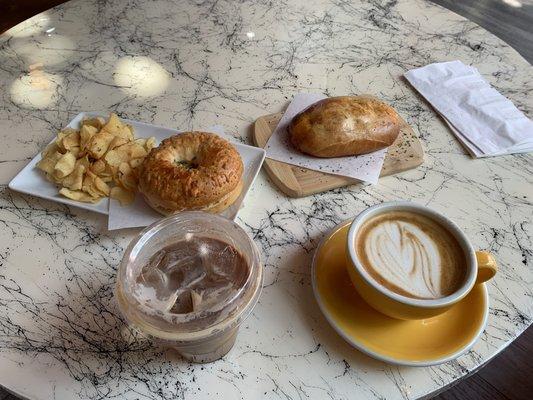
[85, 162]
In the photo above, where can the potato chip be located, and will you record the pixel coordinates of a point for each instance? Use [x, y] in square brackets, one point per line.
[124, 153]
[115, 157]
[51, 178]
[108, 172]
[88, 178]
[93, 185]
[133, 150]
[126, 177]
[84, 162]
[116, 142]
[49, 161]
[75, 151]
[65, 165]
[98, 167]
[88, 185]
[124, 197]
[150, 144]
[101, 186]
[75, 179]
[66, 132]
[91, 191]
[124, 168]
[86, 133]
[71, 141]
[96, 122]
[128, 182]
[135, 162]
[78, 196]
[138, 151]
[141, 142]
[126, 133]
[50, 150]
[115, 126]
[62, 135]
[99, 143]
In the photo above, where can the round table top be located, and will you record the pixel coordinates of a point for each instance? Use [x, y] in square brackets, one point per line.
[193, 64]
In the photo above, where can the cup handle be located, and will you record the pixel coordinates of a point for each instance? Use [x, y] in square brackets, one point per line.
[486, 266]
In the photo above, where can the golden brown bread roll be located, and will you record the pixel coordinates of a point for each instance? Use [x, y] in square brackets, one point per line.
[344, 126]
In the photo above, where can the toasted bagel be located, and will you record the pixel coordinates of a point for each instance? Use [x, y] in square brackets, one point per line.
[191, 171]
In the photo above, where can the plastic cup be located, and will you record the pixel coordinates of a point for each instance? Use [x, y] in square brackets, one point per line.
[199, 336]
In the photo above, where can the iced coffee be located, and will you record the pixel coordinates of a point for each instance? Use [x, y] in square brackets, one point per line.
[189, 281]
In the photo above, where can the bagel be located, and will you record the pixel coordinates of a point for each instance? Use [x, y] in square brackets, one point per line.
[191, 171]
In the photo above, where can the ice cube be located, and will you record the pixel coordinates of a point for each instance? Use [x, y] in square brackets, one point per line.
[193, 274]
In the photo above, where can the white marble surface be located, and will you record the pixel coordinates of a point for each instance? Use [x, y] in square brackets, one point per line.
[189, 64]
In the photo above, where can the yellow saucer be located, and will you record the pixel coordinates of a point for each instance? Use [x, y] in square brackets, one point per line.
[417, 343]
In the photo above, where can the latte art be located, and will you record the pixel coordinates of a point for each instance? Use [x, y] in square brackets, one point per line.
[411, 254]
[404, 254]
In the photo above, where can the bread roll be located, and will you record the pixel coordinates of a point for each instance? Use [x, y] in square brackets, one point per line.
[344, 126]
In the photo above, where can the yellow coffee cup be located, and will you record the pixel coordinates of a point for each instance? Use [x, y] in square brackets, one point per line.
[479, 267]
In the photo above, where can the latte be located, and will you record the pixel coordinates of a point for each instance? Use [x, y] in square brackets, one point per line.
[411, 254]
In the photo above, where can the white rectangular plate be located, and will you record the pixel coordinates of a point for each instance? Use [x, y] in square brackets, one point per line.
[32, 181]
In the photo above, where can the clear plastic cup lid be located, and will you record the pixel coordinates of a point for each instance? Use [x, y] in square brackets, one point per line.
[187, 274]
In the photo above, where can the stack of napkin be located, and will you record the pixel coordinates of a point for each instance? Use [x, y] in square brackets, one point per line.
[483, 120]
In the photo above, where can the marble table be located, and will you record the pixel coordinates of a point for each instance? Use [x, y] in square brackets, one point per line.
[193, 64]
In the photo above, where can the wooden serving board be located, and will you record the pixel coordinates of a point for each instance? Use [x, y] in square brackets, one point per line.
[404, 154]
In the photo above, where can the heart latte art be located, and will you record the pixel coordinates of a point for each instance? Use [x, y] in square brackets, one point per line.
[411, 255]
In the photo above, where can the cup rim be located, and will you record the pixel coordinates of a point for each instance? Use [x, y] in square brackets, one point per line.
[470, 254]
[253, 282]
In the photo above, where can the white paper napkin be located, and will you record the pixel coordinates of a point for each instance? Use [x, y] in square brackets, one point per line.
[139, 213]
[487, 123]
[366, 167]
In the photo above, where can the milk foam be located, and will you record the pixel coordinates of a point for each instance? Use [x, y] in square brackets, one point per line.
[402, 253]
